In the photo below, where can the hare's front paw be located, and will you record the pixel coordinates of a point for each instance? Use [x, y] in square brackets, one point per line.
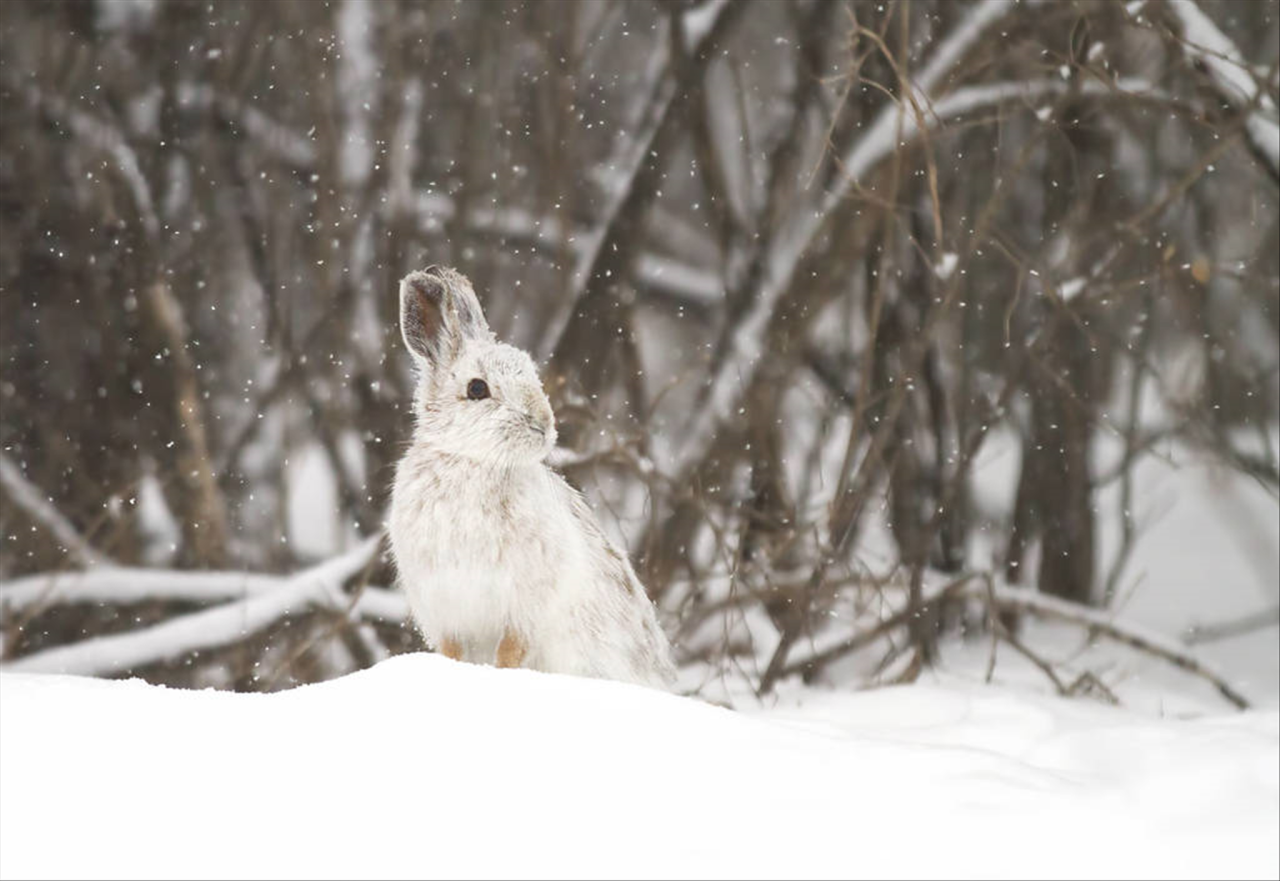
[450, 648]
[511, 650]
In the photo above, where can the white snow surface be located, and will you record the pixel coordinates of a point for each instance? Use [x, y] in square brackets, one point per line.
[425, 767]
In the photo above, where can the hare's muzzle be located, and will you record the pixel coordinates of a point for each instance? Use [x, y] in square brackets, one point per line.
[540, 419]
[542, 423]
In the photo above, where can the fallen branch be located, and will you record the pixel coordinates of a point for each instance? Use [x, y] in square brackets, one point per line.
[127, 584]
[979, 587]
[1044, 606]
[211, 627]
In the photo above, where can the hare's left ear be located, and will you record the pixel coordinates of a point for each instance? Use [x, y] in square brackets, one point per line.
[438, 310]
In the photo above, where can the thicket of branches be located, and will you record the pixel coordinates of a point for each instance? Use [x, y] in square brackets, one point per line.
[790, 266]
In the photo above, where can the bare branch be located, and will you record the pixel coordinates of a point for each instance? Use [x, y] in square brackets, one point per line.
[28, 497]
[735, 372]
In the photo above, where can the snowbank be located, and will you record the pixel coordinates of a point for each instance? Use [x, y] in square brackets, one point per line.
[424, 767]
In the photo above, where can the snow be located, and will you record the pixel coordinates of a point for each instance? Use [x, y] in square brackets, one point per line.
[946, 265]
[698, 23]
[421, 766]
[519, 773]
[1070, 288]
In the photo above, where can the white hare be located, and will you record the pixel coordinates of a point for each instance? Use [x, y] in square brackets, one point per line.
[502, 561]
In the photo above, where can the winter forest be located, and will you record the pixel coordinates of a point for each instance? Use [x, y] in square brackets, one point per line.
[923, 358]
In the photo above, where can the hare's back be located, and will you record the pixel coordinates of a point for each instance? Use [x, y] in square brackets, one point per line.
[608, 626]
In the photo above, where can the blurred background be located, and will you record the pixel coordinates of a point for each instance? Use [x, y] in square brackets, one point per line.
[875, 330]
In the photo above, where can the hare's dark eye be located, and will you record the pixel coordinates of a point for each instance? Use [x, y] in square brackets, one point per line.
[477, 390]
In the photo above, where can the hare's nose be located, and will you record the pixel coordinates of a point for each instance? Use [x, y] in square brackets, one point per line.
[538, 411]
[542, 418]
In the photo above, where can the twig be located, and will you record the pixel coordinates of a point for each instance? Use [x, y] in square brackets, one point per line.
[1021, 648]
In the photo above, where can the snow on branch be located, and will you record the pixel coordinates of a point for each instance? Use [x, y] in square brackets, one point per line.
[125, 584]
[321, 584]
[35, 505]
[698, 23]
[1203, 42]
[383, 604]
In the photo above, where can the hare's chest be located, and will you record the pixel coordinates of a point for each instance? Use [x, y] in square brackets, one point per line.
[470, 558]
[489, 536]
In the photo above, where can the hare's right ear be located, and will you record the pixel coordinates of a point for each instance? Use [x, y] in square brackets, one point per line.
[438, 310]
[423, 304]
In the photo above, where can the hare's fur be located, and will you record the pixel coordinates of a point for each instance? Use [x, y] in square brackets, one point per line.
[492, 546]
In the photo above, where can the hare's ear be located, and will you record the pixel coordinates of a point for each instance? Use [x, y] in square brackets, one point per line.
[465, 306]
[422, 315]
[438, 310]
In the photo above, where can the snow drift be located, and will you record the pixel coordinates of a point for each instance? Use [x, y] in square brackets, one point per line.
[425, 767]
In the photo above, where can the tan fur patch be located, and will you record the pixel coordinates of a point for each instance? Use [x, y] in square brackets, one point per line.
[511, 650]
[451, 648]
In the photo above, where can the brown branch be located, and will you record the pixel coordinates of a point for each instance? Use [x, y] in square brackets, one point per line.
[205, 520]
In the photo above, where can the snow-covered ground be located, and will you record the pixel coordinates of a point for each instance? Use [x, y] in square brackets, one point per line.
[425, 767]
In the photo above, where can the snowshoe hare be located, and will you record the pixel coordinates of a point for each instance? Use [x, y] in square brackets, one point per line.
[502, 561]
